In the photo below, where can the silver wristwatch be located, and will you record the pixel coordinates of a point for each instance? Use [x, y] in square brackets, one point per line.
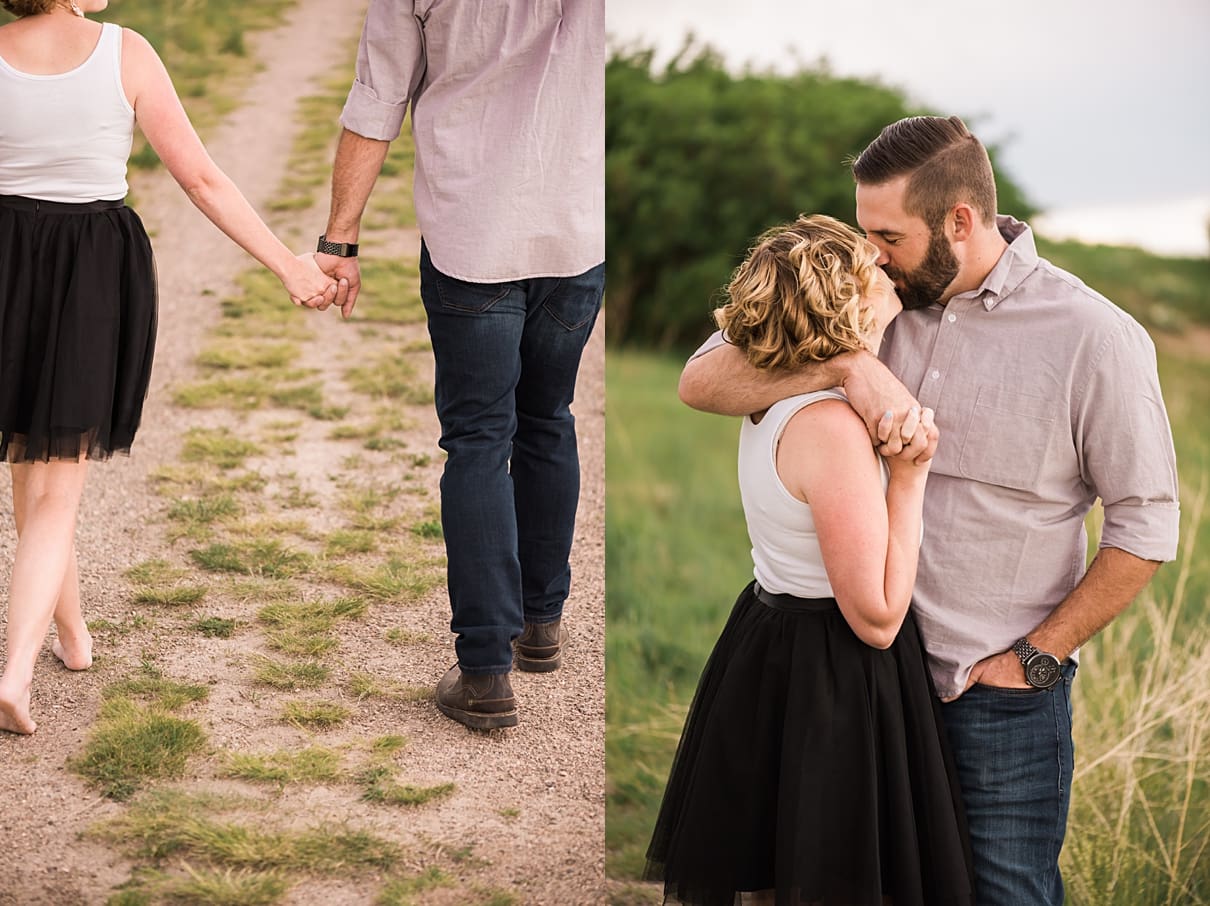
[1041, 668]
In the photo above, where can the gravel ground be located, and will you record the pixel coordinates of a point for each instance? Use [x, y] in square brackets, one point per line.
[529, 802]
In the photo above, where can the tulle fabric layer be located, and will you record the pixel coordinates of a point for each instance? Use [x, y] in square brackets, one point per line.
[77, 328]
[813, 769]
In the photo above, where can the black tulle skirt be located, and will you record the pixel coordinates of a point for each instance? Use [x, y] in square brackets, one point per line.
[77, 328]
[812, 768]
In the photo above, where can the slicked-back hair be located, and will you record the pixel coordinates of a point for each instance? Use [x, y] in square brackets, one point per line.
[798, 296]
[945, 164]
[29, 7]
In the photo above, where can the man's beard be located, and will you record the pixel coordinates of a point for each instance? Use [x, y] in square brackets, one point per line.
[925, 285]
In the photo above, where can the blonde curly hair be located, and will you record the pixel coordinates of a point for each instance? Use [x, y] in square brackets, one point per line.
[30, 7]
[797, 296]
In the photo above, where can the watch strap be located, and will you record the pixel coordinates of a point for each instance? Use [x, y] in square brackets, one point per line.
[1024, 650]
[339, 249]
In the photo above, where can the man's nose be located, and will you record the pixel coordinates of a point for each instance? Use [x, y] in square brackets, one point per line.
[883, 257]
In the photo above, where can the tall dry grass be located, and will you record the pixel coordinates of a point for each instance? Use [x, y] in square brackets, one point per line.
[1139, 830]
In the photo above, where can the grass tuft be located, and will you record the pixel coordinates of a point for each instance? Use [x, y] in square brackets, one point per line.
[215, 627]
[255, 557]
[311, 765]
[130, 744]
[217, 446]
[178, 825]
[377, 786]
[306, 675]
[401, 891]
[316, 715]
[176, 596]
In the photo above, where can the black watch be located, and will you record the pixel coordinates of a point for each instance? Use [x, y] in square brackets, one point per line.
[1041, 668]
[339, 249]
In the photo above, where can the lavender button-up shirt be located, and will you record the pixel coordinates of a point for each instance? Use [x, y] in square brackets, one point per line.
[508, 118]
[1047, 398]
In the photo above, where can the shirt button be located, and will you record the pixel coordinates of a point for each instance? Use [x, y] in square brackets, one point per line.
[935, 375]
[951, 318]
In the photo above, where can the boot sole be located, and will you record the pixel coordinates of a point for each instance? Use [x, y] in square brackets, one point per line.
[539, 664]
[480, 720]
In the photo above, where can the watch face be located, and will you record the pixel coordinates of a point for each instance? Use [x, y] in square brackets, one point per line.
[1042, 671]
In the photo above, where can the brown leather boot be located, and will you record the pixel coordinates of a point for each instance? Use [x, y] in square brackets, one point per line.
[480, 701]
[540, 647]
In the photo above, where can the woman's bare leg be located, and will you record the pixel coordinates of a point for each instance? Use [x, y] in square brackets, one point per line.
[50, 499]
[73, 644]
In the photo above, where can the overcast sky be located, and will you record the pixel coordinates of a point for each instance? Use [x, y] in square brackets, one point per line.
[1102, 109]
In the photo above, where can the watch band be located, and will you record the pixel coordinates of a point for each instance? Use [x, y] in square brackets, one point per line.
[339, 249]
[1042, 669]
[1024, 649]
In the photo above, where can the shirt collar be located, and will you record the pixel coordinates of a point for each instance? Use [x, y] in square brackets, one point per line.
[1017, 262]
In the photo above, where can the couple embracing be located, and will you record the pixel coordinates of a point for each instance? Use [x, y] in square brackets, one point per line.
[508, 120]
[843, 748]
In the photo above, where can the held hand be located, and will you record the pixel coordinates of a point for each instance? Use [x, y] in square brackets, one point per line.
[348, 272]
[916, 450]
[882, 401]
[308, 285]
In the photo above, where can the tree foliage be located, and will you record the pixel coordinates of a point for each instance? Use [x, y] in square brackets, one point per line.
[699, 161]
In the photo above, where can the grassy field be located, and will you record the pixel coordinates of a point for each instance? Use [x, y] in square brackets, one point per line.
[677, 553]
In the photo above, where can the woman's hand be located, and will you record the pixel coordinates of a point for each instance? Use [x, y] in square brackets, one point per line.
[307, 284]
[919, 436]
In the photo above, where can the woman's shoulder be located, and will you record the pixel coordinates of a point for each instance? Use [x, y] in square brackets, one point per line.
[829, 424]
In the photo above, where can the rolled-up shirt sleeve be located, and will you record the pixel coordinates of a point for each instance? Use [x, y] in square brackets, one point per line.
[390, 65]
[1128, 454]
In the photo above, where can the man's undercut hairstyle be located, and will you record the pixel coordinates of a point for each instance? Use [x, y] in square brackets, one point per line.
[29, 7]
[945, 165]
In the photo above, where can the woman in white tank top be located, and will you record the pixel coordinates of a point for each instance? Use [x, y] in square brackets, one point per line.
[813, 768]
[77, 290]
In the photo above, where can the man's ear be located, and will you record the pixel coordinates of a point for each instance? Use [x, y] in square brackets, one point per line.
[962, 221]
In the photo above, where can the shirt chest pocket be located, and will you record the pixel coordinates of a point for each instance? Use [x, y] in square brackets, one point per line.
[1007, 438]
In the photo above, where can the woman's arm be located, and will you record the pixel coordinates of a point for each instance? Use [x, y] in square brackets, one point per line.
[870, 542]
[163, 120]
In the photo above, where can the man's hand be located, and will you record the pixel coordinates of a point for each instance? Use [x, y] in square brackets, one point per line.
[347, 273]
[883, 402]
[1002, 670]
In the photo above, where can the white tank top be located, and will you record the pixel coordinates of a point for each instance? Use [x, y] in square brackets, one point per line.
[66, 137]
[785, 547]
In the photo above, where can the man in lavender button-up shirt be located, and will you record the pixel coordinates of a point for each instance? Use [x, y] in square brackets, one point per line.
[508, 118]
[1047, 398]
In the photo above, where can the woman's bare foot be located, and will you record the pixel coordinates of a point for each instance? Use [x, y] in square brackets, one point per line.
[14, 709]
[75, 653]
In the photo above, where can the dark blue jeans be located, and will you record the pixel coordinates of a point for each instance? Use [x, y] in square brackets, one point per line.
[507, 355]
[1014, 754]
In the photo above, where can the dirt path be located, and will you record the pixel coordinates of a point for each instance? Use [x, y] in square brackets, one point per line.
[525, 820]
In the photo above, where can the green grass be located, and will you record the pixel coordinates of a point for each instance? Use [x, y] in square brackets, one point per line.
[399, 578]
[256, 557]
[131, 743]
[402, 891]
[392, 293]
[204, 887]
[215, 627]
[389, 745]
[379, 786]
[677, 553]
[392, 376]
[399, 636]
[315, 715]
[178, 826]
[217, 446]
[281, 675]
[176, 596]
[310, 765]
